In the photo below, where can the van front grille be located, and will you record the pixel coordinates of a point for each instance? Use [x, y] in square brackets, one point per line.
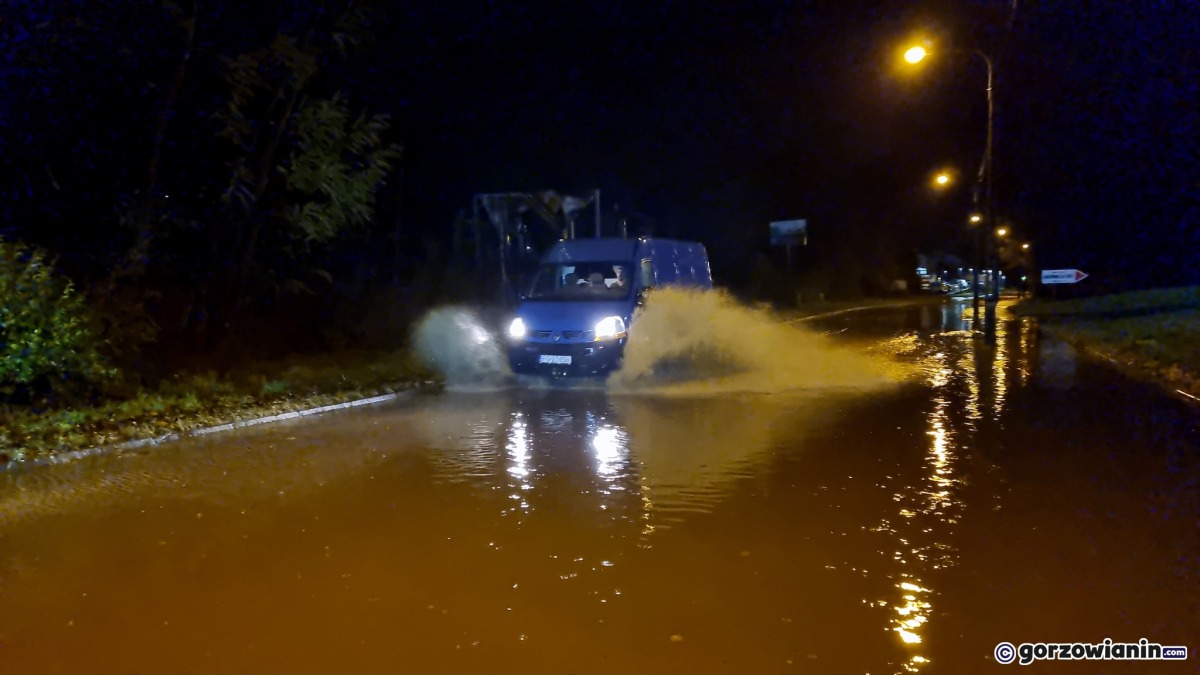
[566, 334]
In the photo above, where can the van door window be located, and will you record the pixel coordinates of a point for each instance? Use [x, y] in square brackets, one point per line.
[646, 274]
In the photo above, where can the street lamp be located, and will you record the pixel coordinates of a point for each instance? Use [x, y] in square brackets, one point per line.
[1000, 232]
[941, 180]
[914, 55]
[975, 218]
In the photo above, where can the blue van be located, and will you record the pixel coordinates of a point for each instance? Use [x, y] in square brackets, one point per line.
[576, 315]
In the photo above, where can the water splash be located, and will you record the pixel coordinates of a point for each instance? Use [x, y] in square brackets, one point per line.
[458, 343]
[689, 341]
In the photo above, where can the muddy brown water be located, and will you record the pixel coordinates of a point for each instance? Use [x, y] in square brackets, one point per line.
[1015, 493]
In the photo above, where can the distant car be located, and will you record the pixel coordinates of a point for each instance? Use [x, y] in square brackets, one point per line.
[934, 286]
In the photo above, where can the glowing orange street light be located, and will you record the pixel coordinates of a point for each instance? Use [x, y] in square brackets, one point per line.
[975, 218]
[915, 54]
[942, 179]
[1000, 232]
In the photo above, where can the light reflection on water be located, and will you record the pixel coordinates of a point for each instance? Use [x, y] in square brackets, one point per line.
[927, 515]
[969, 382]
[673, 457]
[530, 530]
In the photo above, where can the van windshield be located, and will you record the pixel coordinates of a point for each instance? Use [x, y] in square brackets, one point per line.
[582, 281]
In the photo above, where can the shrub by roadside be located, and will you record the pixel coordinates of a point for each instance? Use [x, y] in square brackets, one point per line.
[48, 338]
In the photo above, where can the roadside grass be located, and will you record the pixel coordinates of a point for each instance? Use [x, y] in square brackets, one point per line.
[191, 401]
[1134, 302]
[1154, 333]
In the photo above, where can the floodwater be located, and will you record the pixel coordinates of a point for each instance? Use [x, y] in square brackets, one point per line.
[1015, 493]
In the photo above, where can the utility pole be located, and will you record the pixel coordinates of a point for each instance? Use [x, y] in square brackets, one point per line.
[988, 222]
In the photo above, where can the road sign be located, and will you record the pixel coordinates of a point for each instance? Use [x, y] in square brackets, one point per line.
[1062, 276]
[789, 232]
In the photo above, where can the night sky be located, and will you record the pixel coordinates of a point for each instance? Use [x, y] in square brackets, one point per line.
[711, 119]
[706, 120]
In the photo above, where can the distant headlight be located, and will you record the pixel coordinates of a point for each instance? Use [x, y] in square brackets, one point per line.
[610, 328]
[516, 329]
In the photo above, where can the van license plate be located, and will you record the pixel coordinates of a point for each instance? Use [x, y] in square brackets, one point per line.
[555, 359]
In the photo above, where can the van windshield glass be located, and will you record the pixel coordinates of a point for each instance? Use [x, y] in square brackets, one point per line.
[582, 281]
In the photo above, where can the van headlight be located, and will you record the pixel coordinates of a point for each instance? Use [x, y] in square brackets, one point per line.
[610, 328]
[516, 329]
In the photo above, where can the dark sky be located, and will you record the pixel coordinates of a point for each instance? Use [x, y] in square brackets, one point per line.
[666, 102]
[717, 117]
[711, 118]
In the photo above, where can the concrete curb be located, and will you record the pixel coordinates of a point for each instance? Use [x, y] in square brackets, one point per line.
[127, 446]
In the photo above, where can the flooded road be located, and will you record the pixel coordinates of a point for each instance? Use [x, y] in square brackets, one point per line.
[1011, 493]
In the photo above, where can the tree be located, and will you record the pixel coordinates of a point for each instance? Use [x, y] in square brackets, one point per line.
[336, 164]
[109, 160]
[301, 169]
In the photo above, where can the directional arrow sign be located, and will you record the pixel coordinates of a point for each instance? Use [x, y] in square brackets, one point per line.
[1062, 276]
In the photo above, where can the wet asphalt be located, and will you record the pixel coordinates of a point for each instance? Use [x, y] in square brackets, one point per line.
[1016, 492]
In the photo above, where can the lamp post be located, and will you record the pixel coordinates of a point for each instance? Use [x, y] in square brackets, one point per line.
[1027, 264]
[915, 55]
[985, 177]
[975, 220]
[1001, 233]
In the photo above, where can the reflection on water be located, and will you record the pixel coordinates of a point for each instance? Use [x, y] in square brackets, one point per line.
[1059, 364]
[610, 444]
[549, 530]
[989, 369]
[519, 453]
[673, 456]
[999, 367]
[1024, 350]
[928, 512]
[948, 317]
[940, 504]
[968, 382]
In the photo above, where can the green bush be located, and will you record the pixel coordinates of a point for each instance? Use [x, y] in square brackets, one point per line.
[47, 339]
